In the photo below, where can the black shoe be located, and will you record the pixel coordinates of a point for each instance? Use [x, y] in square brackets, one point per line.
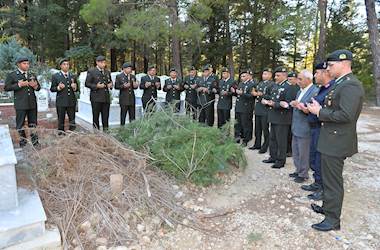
[316, 208]
[269, 160]
[262, 151]
[254, 148]
[312, 187]
[293, 175]
[237, 140]
[244, 144]
[326, 226]
[317, 196]
[277, 166]
[299, 179]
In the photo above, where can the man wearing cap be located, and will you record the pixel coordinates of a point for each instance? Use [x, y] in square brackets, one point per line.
[66, 85]
[244, 106]
[24, 84]
[293, 90]
[190, 85]
[225, 97]
[173, 88]
[262, 91]
[206, 95]
[338, 137]
[126, 83]
[280, 118]
[150, 84]
[326, 82]
[99, 81]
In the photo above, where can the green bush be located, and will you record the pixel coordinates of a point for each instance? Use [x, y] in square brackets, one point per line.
[183, 148]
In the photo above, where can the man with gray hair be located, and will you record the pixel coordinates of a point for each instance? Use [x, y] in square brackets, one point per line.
[300, 126]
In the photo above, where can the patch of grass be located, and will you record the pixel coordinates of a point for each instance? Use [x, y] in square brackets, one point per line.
[253, 237]
[182, 147]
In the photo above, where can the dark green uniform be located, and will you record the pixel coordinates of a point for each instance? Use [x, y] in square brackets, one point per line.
[66, 100]
[100, 98]
[149, 97]
[245, 104]
[127, 98]
[25, 103]
[224, 105]
[280, 119]
[206, 101]
[173, 95]
[191, 95]
[338, 139]
[261, 115]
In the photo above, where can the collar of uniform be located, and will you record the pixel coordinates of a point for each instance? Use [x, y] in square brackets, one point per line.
[171, 79]
[100, 70]
[226, 80]
[281, 83]
[125, 74]
[21, 71]
[246, 81]
[343, 76]
[63, 73]
[151, 77]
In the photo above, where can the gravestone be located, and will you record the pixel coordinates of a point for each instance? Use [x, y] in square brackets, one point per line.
[22, 217]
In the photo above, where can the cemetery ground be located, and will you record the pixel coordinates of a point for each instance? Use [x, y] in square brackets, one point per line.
[261, 208]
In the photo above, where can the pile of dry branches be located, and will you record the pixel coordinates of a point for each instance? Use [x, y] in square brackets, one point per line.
[93, 186]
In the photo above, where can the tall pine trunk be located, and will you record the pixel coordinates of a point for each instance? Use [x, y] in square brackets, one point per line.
[176, 56]
[322, 7]
[374, 41]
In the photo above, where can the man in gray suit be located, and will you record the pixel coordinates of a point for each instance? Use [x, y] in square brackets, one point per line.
[300, 126]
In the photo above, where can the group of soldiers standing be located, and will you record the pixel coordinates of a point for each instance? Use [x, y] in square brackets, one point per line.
[290, 112]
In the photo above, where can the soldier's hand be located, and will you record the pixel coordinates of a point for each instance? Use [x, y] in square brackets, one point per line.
[270, 103]
[127, 85]
[22, 83]
[61, 86]
[74, 86]
[284, 104]
[193, 86]
[223, 92]
[314, 107]
[100, 85]
[158, 84]
[259, 93]
[294, 103]
[264, 102]
[176, 87]
[186, 86]
[214, 91]
[232, 89]
[169, 86]
[148, 84]
[239, 91]
[109, 85]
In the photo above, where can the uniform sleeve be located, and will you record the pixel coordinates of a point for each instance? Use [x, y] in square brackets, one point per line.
[166, 86]
[181, 85]
[38, 84]
[54, 84]
[351, 98]
[118, 82]
[142, 83]
[89, 83]
[133, 81]
[11, 84]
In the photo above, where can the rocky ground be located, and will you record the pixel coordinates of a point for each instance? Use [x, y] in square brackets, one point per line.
[265, 209]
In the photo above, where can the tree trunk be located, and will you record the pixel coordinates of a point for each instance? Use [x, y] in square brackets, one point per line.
[322, 7]
[113, 60]
[230, 56]
[176, 56]
[375, 46]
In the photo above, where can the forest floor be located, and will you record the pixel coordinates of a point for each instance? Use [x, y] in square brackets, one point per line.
[267, 210]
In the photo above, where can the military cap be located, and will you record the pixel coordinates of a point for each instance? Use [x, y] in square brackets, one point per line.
[292, 74]
[127, 65]
[22, 59]
[151, 67]
[280, 69]
[172, 70]
[100, 58]
[192, 68]
[63, 60]
[225, 69]
[207, 67]
[322, 65]
[340, 55]
[246, 71]
[267, 70]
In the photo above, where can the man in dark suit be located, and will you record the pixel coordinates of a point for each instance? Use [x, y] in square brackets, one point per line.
[190, 84]
[150, 84]
[126, 83]
[293, 90]
[65, 84]
[262, 91]
[206, 90]
[23, 83]
[224, 105]
[173, 88]
[338, 137]
[280, 118]
[99, 81]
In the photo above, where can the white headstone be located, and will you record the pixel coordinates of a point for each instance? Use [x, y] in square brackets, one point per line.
[42, 100]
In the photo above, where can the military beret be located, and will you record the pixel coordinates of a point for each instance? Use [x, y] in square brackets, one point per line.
[246, 71]
[280, 69]
[267, 70]
[321, 65]
[151, 67]
[127, 65]
[172, 70]
[225, 69]
[340, 55]
[22, 59]
[100, 58]
[207, 67]
[63, 60]
[292, 74]
[192, 68]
